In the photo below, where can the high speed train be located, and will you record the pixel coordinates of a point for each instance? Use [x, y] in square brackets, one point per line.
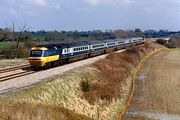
[45, 56]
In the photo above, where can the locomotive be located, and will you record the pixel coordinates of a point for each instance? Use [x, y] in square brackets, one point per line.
[45, 56]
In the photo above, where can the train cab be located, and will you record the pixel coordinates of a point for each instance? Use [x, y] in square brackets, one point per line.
[37, 57]
[45, 56]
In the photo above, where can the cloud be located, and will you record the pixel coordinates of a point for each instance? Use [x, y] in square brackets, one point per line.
[93, 2]
[41, 3]
[109, 2]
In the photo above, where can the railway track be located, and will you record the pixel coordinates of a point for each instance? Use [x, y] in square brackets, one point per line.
[14, 75]
[13, 68]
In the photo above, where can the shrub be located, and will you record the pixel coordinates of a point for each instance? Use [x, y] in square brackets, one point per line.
[174, 42]
[84, 85]
[13, 52]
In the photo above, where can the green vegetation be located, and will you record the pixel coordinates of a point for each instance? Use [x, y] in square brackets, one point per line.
[84, 86]
[5, 45]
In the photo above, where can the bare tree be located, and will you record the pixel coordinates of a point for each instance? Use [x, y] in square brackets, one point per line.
[19, 34]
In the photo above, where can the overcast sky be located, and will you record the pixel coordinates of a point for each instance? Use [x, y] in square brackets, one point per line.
[91, 14]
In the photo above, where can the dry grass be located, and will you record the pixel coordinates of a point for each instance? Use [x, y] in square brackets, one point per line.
[114, 70]
[12, 62]
[30, 111]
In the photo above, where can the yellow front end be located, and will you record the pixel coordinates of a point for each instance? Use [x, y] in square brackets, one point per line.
[34, 62]
[37, 61]
[41, 61]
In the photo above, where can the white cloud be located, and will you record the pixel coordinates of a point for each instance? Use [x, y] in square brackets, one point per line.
[109, 2]
[41, 3]
[93, 2]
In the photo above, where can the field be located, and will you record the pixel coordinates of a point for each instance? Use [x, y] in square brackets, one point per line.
[157, 93]
[12, 62]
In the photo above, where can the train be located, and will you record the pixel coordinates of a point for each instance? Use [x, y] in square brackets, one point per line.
[49, 55]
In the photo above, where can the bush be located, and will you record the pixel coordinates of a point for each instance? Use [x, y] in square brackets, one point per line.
[12, 52]
[84, 85]
[174, 42]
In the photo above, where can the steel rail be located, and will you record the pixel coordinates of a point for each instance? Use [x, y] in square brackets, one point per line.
[13, 68]
[8, 77]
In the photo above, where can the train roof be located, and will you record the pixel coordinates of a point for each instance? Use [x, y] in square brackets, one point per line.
[63, 45]
[96, 42]
[121, 39]
[83, 43]
[110, 40]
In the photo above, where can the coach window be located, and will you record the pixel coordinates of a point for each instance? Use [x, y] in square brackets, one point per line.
[65, 51]
[120, 42]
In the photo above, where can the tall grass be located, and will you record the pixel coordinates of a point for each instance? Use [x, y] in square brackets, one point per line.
[114, 70]
[31, 111]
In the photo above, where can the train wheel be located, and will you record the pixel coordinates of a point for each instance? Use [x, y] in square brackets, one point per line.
[47, 66]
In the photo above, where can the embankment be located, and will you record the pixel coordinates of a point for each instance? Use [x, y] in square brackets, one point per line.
[98, 91]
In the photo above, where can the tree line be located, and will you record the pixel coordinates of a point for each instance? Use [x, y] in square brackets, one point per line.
[21, 34]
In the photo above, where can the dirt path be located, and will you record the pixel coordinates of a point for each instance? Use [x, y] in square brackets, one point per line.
[157, 93]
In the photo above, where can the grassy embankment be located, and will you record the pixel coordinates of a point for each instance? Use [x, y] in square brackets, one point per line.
[98, 91]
